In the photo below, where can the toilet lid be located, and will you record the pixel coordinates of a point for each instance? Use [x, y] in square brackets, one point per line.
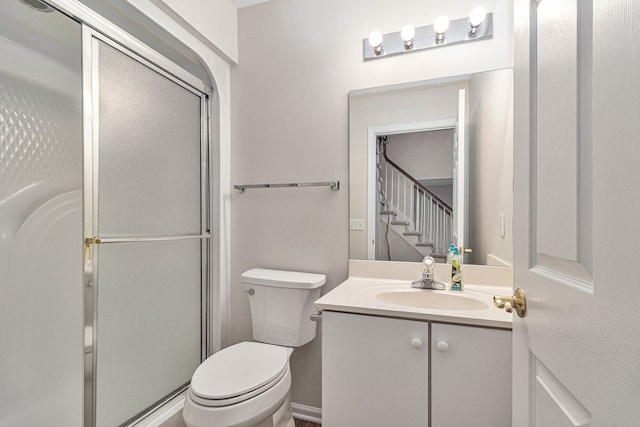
[238, 370]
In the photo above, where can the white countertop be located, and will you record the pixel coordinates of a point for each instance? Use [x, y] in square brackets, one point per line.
[360, 294]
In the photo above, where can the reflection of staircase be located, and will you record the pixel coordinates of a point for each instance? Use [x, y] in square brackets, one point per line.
[419, 216]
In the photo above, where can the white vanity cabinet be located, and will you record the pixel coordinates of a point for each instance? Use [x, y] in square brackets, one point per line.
[376, 371]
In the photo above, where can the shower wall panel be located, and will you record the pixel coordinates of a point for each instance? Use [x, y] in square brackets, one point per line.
[40, 142]
[41, 332]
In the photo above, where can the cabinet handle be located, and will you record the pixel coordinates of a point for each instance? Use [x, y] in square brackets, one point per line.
[442, 347]
[416, 343]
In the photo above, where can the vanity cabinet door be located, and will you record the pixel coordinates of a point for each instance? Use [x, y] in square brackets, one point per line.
[375, 371]
[470, 376]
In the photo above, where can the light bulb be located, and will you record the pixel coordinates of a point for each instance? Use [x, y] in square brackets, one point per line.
[441, 25]
[408, 33]
[476, 16]
[375, 38]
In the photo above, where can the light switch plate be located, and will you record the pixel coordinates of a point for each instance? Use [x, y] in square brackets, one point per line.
[356, 224]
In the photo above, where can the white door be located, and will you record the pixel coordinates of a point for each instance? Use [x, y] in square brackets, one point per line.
[576, 228]
[460, 175]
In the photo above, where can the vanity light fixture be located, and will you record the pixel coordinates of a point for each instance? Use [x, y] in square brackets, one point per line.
[375, 41]
[440, 27]
[478, 26]
[407, 34]
[476, 17]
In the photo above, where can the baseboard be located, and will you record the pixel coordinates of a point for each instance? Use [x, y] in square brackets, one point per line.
[170, 415]
[306, 413]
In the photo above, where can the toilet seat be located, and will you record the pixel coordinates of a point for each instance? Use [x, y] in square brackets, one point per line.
[238, 373]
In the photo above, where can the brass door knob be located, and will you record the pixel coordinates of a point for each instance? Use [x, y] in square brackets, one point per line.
[517, 302]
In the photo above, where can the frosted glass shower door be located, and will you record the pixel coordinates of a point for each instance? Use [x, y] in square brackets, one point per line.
[149, 229]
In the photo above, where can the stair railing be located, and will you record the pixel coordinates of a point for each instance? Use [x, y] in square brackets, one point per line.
[428, 216]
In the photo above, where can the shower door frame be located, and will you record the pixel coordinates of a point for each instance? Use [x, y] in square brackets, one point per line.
[145, 55]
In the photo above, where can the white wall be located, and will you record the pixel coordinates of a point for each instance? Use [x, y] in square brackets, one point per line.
[299, 60]
[491, 165]
[424, 155]
[215, 22]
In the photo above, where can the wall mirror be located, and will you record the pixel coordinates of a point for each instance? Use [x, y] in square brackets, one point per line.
[431, 164]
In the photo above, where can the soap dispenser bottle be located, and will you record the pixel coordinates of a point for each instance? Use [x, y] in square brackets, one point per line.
[450, 253]
[456, 269]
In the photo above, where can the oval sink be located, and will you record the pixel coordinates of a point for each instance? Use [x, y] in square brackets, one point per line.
[433, 300]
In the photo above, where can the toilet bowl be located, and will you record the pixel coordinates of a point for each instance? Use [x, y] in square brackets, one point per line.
[248, 384]
[242, 385]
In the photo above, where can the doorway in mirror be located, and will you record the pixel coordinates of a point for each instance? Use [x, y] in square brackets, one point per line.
[415, 188]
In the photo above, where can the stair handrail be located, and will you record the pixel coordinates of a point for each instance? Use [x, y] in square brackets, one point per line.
[415, 181]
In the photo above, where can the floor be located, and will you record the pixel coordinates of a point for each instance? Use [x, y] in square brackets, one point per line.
[300, 423]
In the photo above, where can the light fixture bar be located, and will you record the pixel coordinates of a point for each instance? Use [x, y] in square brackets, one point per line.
[459, 31]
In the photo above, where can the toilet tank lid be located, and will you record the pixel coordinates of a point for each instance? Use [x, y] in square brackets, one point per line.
[283, 279]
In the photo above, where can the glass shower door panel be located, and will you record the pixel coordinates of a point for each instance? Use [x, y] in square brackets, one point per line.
[148, 341]
[149, 151]
[148, 216]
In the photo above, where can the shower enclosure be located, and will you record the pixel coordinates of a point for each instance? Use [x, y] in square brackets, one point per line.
[104, 224]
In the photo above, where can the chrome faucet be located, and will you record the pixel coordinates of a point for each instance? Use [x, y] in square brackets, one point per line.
[427, 281]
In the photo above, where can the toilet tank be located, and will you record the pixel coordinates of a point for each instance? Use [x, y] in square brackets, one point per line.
[281, 302]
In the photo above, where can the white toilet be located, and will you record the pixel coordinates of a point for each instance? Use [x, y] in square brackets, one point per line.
[248, 383]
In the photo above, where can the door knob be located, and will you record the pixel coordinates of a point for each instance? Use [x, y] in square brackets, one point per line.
[517, 301]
